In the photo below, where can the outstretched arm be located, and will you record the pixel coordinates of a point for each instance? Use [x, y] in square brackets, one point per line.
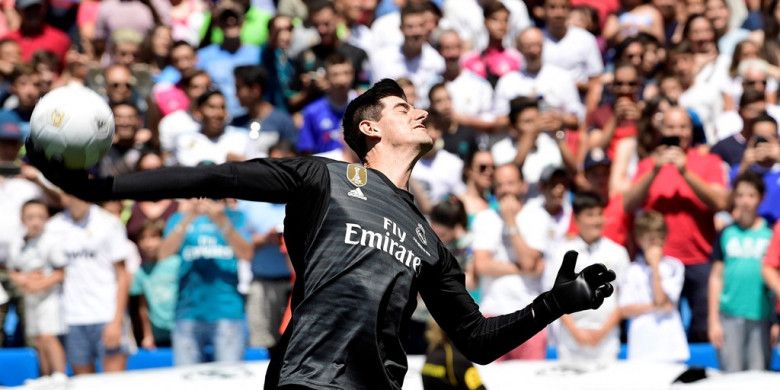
[483, 340]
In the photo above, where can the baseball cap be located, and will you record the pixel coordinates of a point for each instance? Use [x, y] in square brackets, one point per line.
[22, 4]
[10, 126]
[551, 171]
[594, 158]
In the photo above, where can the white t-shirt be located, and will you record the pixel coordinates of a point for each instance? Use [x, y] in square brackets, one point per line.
[657, 336]
[440, 175]
[42, 254]
[386, 30]
[553, 83]
[614, 257]
[577, 52]
[729, 123]
[174, 124]
[466, 17]
[704, 98]
[362, 37]
[508, 293]
[471, 96]
[90, 247]
[546, 152]
[424, 70]
[541, 230]
[14, 192]
[192, 148]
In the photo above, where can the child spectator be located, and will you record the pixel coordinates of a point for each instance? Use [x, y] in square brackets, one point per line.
[38, 270]
[156, 284]
[739, 305]
[649, 296]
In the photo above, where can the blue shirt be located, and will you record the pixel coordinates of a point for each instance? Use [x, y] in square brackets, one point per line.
[219, 64]
[269, 262]
[208, 274]
[169, 74]
[157, 282]
[278, 125]
[321, 127]
[769, 209]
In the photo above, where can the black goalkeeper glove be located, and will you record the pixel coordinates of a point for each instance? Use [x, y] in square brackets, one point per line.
[53, 169]
[574, 292]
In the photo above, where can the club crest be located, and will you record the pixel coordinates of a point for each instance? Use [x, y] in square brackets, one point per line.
[357, 175]
[57, 117]
[420, 231]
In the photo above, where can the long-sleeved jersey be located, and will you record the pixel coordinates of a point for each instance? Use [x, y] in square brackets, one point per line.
[361, 251]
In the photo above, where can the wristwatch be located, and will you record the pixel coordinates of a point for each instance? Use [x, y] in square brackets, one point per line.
[560, 135]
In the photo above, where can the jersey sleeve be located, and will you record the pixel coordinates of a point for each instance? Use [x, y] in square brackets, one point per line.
[480, 339]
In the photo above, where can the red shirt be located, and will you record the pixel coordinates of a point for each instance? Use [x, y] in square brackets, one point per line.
[617, 222]
[51, 39]
[772, 256]
[689, 221]
[598, 120]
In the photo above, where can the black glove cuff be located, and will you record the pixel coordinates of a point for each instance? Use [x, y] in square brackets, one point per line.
[545, 308]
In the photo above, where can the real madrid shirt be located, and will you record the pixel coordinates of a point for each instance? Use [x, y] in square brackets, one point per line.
[361, 251]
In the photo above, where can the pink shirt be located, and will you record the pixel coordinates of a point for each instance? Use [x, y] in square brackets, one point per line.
[493, 62]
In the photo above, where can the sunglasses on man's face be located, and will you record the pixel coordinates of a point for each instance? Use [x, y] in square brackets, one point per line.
[117, 85]
[482, 168]
[631, 83]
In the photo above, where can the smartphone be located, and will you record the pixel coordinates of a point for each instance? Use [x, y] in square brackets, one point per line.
[8, 169]
[671, 140]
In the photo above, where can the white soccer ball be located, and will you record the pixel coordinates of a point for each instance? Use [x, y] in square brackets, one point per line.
[73, 124]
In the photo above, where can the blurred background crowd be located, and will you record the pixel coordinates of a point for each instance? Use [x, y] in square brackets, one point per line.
[641, 133]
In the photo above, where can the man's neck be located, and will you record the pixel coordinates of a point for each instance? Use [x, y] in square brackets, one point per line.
[411, 52]
[260, 110]
[558, 33]
[396, 165]
[338, 100]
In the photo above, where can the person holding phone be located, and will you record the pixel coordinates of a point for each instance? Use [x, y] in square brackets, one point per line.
[761, 156]
[617, 119]
[687, 185]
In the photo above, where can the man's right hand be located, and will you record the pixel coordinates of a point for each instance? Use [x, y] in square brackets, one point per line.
[575, 292]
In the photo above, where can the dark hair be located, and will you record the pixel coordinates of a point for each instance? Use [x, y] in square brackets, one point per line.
[319, 5]
[414, 9]
[647, 135]
[128, 103]
[45, 57]
[202, 99]
[273, 20]
[763, 117]
[520, 104]
[367, 106]
[753, 179]
[20, 70]
[585, 200]
[770, 50]
[435, 88]
[684, 47]
[336, 59]
[593, 15]
[624, 44]
[251, 75]
[689, 21]
[736, 57]
[190, 75]
[34, 201]
[750, 96]
[449, 212]
[493, 7]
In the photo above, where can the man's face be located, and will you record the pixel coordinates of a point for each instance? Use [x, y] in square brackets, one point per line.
[198, 86]
[634, 54]
[413, 27]
[683, 65]
[340, 77]
[496, 24]
[718, 13]
[231, 24]
[527, 120]
[441, 102]
[450, 47]
[213, 113]
[591, 223]
[11, 53]
[118, 85]
[401, 124]
[554, 191]
[126, 122]
[183, 58]
[325, 23]
[598, 178]
[626, 82]
[482, 169]
[28, 89]
[247, 95]
[677, 123]
[751, 111]
[701, 35]
[509, 182]
[755, 79]
[125, 53]
[33, 16]
[530, 45]
[556, 12]
[281, 33]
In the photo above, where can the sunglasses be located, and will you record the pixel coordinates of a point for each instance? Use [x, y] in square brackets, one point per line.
[117, 85]
[618, 83]
[482, 168]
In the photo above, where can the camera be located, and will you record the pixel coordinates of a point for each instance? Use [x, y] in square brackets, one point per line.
[8, 169]
[671, 140]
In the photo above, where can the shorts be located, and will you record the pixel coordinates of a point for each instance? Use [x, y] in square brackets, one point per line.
[84, 344]
[44, 315]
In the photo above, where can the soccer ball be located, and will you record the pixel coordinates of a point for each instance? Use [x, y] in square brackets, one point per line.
[72, 124]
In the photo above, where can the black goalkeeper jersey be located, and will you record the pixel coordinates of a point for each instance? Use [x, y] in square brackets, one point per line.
[361, 252]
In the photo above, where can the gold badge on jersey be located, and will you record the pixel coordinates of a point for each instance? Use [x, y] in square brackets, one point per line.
[57, 117]
[357, 175]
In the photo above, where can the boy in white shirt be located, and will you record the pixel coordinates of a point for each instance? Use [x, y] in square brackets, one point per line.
[36, 267]
[649, 296]
[592, 336]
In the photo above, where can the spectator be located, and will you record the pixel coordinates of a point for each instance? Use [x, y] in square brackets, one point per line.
[182, 59]
[128, 143]
[155, 49]
[719, 14]
[459, 139]
[478, 175]
[531, 142]
[215, 141]
[597, 170]
[414, 58]
[218, 60]
[275, 57]
[634, 18]
[467, 18]
[761, 157]
[187, 18]
[495, 60]
[34, 33]
[121, 87]
[37, 268]
[145, 212]
[96, 285]
[271, 285]
[139, 16]
[449, 222]
[25, 92]
[770, 44]
[155, 282]
[592, 336]
[265, 123]
[573, 49]
[254, 30]
[322, 118]
[508, 270]
[739, 304]
[194, 84]
[10, 57]
[358, 16]
[650, 296]
[545, 219]
[311, 63]
[617, 117]
[687, 186]
[211, 238]
[438, 173]
[545, 81]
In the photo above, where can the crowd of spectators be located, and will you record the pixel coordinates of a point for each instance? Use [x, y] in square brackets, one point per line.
[641, 133]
